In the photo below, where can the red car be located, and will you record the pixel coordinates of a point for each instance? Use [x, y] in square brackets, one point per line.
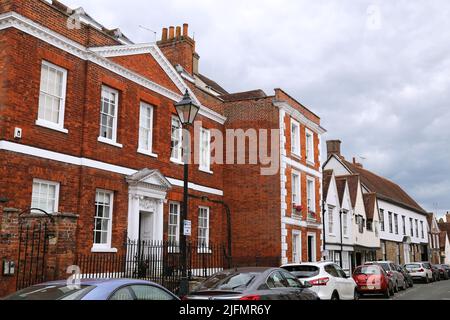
[372, 279]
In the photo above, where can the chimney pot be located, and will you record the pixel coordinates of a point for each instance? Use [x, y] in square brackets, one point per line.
[334, 147]
[185, 29]
[171, 32]
[178, 32]
[164, 34]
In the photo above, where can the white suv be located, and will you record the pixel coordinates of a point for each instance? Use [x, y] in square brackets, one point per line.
[420, 271]
[328, 280]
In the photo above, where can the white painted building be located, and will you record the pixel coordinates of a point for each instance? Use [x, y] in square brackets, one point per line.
[403, 226]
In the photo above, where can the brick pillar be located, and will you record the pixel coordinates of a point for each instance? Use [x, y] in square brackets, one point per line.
[9, 244]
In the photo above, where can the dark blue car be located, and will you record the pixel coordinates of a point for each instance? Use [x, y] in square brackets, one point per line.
[112, 289]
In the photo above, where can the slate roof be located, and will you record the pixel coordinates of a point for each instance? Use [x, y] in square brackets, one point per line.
[212, 84]
[247, 95]
[327, 174]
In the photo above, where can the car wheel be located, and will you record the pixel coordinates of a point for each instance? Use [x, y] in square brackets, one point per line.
[427, 280]
[335, 296]
[396, 287]
[387, 293]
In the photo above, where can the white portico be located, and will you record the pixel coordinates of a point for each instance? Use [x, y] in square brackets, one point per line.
[147, 193]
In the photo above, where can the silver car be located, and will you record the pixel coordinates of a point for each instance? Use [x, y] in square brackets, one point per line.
[397, 277]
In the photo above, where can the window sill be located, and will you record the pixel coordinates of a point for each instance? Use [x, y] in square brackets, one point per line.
[110, 142]
[205, 170]
[147, 153]
[103, 250]
[311, 163]
[203, 251]
[52, 126]
[296, 156]
[176, 161]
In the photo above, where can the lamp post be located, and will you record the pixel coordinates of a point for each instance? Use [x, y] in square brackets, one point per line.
[187, 111]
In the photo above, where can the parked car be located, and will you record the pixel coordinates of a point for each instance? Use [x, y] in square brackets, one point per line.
[252, 284]
[113, 289]
[373, 279]
[409, 280]
[420, 271]
[397, 277]
[328, 280]
[436, 275]
[443, 274]
[447, 268]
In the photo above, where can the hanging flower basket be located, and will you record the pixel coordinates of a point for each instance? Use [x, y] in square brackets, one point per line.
[298, 208]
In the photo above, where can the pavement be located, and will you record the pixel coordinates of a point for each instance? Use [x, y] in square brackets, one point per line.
[421, 291]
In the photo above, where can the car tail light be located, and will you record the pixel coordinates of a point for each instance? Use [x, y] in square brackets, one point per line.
[320, 282]
[390, 273]
[184, 298]
[251, 298]
[421, 270]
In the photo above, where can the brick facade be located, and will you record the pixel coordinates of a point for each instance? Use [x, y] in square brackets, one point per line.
[81, 164]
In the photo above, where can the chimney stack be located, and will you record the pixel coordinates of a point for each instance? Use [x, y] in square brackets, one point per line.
[447, 217]
[164, 34]
[179, 48]
[171, 32]
[357, 163]
[333, 147]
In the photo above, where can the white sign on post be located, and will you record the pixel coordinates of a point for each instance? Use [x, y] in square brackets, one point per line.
[187, 228]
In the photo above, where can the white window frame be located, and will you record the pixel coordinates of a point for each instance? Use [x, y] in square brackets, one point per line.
[174, 247]
[297, 189]
[314, 252]
[295, 142]
[313, 194]
[142, 149]
[113, 140]
[62, 103]
[179, 158]
[345, 223]
[50, 183]
[309, 144]
[331, 220]
[105, 247]
[207, 249]
[297, 247]
[205, 164]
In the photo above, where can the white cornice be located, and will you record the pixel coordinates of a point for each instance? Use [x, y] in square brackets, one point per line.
[297, 115]
[85, 162]
[99, 57]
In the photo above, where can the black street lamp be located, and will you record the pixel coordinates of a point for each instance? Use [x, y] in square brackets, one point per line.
[187, 111]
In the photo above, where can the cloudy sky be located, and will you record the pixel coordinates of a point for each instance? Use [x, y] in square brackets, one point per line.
[377, 72]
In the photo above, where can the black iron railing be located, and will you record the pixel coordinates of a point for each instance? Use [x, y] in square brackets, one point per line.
[155, 261]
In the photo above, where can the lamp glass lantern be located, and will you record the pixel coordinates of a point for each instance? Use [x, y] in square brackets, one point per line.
[187, 110]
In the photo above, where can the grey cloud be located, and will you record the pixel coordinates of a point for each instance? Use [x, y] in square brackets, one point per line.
[380, 86]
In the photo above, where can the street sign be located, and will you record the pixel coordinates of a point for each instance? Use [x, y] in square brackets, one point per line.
[187, 228]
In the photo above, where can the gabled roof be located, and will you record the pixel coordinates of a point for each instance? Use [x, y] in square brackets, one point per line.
[384, 188]
[445, 226]
[353, 185]
[340, 185]
[150, 177]
[370, 200]
[327, 175]
[247, 95]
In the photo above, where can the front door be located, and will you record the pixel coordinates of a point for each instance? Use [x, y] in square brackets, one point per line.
[311, 248]
[358, 258]
[146, 226]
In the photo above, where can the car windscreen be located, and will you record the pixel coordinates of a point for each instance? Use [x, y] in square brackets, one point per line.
[413, 266]
[51, 292]
[385, 266]
[237, 281]
[303, 271]
[368, 270]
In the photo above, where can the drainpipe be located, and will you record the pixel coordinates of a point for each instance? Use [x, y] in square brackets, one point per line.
[228, 213]
[323, 224]
[342, 246]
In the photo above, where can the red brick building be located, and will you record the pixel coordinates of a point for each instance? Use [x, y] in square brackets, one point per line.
[88, 127]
